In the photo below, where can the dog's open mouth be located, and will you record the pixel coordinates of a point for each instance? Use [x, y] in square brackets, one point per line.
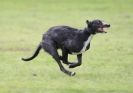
[103, 28]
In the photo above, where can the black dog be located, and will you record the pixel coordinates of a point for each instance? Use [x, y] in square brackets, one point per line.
[70, 41]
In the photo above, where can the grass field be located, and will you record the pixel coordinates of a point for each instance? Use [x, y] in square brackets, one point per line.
[107, 67]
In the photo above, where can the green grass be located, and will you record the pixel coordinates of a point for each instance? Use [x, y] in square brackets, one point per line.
[107, 67]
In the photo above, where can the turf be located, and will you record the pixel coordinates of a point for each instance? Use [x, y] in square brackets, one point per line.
[107, 67]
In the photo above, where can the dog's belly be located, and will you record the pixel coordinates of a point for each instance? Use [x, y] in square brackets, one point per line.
[85, 46]
[76, 53]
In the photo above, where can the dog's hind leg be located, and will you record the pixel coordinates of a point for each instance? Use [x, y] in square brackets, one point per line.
[51, 49]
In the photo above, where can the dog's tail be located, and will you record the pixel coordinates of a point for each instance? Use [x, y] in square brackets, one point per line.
[34, 55]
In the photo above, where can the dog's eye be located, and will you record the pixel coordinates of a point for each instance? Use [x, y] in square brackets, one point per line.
[99, 22]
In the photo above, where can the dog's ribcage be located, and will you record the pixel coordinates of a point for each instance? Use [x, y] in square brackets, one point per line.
[84, 45]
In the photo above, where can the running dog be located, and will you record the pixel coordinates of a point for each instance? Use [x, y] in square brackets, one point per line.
[71, 41]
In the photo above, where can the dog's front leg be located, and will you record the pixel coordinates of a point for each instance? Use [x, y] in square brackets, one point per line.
[79, 57]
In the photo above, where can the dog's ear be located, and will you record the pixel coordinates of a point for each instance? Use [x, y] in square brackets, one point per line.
[88, 23]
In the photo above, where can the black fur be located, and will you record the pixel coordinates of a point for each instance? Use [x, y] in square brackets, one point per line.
[69, 40]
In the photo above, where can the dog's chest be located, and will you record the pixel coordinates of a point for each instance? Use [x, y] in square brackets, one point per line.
[85, 44]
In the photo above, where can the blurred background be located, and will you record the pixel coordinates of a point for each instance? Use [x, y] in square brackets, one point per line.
[107, 67]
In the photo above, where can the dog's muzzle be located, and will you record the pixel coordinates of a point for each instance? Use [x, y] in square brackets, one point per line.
[102, 29]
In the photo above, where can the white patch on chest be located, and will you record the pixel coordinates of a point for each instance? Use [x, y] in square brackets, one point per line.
[84, 46]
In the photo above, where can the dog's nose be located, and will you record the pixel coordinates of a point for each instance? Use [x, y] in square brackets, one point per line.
[107, 25]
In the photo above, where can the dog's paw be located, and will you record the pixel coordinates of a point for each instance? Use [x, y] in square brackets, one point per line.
[71, 65]
[72, 74]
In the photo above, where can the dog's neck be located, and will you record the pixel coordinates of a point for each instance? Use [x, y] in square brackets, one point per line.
[87, 33]
[88, 36]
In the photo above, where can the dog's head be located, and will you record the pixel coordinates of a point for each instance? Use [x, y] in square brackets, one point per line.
[97, 26]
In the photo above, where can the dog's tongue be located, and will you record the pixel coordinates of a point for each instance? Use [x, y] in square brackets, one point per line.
[104, 30]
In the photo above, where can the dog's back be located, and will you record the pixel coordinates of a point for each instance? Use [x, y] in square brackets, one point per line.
[61, 34]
